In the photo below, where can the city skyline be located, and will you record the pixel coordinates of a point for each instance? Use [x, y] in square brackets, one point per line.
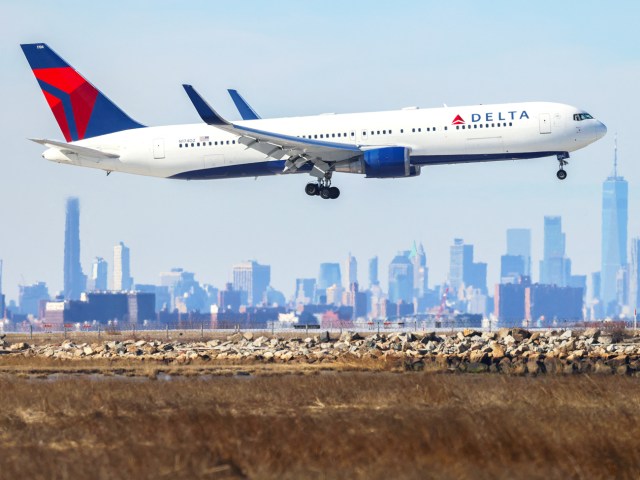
[200, 225]
[408, 270]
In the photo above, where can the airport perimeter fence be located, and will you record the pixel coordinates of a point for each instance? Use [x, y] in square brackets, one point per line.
[203, 329]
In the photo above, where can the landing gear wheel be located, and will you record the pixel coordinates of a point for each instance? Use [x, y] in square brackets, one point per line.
[312, 189]
[562, 160]
[325, 193]
[334, 192]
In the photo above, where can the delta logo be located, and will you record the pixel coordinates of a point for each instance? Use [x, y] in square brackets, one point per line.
[492, 117]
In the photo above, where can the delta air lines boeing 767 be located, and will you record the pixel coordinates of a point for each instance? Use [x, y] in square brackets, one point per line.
[391, 144]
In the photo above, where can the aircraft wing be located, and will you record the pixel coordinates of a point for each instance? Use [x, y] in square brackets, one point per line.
[297, 151]
[71, 148]
[246, 112]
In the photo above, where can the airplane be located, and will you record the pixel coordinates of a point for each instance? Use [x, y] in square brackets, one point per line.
[391, 144]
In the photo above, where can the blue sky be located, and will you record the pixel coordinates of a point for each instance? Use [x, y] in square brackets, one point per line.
[296, 58]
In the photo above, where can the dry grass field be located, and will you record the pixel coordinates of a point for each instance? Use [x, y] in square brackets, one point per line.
[320, 425]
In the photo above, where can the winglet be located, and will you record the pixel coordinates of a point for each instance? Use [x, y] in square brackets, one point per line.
[246, 112]
[205, 111]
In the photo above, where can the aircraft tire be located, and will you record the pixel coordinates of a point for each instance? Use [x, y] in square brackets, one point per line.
[562, 174]
[325, 193]
[311, 189]
[334, 192]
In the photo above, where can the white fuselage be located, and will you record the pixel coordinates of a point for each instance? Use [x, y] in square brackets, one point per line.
[433, 136]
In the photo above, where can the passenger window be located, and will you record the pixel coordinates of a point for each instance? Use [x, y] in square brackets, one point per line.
[389, 132]
[510, 124]
[180, 145]
[413, 130]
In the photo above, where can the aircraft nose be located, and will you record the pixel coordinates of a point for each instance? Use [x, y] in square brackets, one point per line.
[601, 130]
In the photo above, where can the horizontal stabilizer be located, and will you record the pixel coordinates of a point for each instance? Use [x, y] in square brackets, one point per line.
[77, 149]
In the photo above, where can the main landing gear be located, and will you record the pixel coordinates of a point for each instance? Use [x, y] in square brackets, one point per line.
[323, 188]
[561, 174]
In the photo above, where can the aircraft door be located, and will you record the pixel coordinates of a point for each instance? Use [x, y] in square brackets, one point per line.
[545, 123]
[158, 148]
[364, 136]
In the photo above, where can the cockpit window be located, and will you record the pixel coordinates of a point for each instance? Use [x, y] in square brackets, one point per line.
[578, 117]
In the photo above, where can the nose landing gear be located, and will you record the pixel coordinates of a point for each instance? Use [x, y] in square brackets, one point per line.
[323, 188]
[562, 174]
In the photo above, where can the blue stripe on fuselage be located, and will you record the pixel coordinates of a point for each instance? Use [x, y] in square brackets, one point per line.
[257, 169]
[275, 167]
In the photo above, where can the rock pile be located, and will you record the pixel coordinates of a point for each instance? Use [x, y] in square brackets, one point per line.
[514, 351]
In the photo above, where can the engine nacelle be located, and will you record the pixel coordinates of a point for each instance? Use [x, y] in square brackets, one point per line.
[389, 162]
[385, 162]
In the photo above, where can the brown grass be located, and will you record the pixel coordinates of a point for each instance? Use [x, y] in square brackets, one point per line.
[327, 425]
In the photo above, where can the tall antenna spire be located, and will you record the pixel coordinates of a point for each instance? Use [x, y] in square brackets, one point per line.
[615, 156]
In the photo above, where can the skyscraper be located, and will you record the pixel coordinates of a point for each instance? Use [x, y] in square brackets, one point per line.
[252, 278]
[519, 244]
[99, 275]
[30, 296]
[463, 271]
[555, 268]
[615, 199]
[329, 275]
[122, 280]
[373, 271]
[352, 269]
[74, 280]
[401, 279]
[418, 258]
